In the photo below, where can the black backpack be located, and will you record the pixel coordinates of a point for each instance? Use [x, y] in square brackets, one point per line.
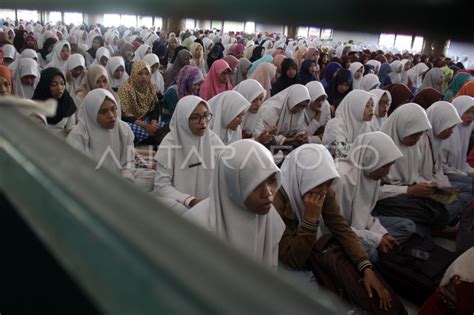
[415, 268]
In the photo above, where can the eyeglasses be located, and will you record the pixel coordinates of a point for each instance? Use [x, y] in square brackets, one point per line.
[384, 103]
[197, 119]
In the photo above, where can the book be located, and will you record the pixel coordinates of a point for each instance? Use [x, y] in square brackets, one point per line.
[444, 195]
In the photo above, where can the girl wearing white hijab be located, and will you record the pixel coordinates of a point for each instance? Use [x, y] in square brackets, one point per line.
[116, 71]
[108, 140]
[102, 135]
[239, 209]
[156, 77]
[406, 65]
[26, 78]
[353, 117]
[457, 145]
[318, 113]
[357, 191]
[75, 72]
[309, 209]
[254, 93]
[415, 75]
[284, 114]
[444, 118]
[383, 100]
[187, 155]
[60, 54]
[102, 57]
[9, 54]
[405, 192]
[396, 74]
[405, 126]
[228, 108]
[357, 70]
[435, 79]
[141, 52]
[369, 82]
[374, 63]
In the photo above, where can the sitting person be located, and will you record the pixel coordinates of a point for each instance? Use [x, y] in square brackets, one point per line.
[318, 113]
[283, 114]
[101, 135]
[307, 205]
[357, 192]
[239, 209]
[186, 156]
[52, 84]
[228, 108]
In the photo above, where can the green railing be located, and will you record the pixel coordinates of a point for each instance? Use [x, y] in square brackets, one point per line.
[127, 252]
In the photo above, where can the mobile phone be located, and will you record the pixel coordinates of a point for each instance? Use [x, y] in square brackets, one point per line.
[419, 254]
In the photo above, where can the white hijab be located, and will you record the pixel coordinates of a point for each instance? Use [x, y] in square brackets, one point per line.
[396, 74]
[354, 67]
[378, 121]
[25, 66]
[408, 119]
[9, 51]
[458, 144]
[404, 74]
[369, 82]
[101, 52]
[349, 121]
[461, 267]
[442, 115]
[374, 63]
[114, 63]
[276, 111]
[156, 77]
[226, 106]
[316, 90]
[115, 145]
[250, 89]
[356, 192]
[430, 79]
[243, 166]
[74, 61]
[56, 60]
[304, 168]
[415, 74]
[191, 149]
[140, 52]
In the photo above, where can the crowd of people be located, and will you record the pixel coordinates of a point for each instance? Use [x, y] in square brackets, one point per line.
[268, 142]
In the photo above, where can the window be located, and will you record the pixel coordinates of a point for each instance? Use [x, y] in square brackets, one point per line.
[28, 15]
[216, 25]
[158, 22]
[314, 32]
[231, 26]
[111, 19]
[190, 24]
[73, 18]
[418, 44]
[8, 14]
[326, 33]
[403, 42]
[302, 31]
[249, 27]
[387, 40]
[145, 21]
[54, 17]
[128, 20]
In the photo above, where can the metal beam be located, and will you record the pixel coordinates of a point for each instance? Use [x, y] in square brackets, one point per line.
[128, 252]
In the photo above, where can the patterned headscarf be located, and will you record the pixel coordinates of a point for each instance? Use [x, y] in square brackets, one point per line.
[137, 100]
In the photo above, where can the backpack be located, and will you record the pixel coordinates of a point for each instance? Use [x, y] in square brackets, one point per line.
[415, 268]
